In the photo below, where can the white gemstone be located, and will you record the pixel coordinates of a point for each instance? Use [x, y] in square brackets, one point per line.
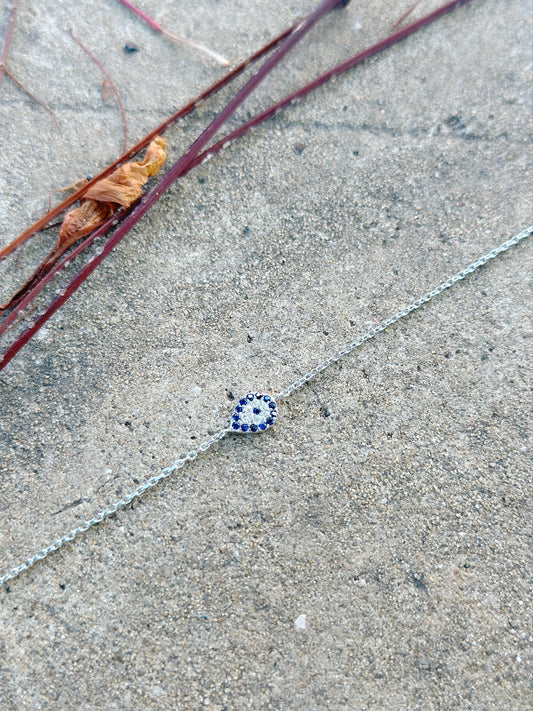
[300, 622]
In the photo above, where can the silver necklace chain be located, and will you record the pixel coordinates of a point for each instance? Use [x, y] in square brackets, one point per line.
[287, 392]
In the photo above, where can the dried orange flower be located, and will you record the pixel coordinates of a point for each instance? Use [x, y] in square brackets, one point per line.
[105, 197]
[119, 189]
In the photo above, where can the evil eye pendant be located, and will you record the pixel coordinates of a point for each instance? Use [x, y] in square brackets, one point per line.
[254, 413]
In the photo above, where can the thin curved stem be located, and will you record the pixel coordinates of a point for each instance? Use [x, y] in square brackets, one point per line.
[7, 41]
[4, 71]
[111, 84]
[20, 85]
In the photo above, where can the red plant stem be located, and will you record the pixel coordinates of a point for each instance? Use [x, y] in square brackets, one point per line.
[406, 14]
[7, 41]
[111, 84]
[163, 185]
[184, 111]
[144, 16]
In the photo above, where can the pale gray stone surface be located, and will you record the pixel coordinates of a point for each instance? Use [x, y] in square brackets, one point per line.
[389, 504]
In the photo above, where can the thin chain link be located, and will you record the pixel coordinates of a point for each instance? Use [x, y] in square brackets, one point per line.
[296, 385]
[112, 508]
[383, 325]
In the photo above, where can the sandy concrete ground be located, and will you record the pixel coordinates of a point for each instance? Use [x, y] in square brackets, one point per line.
[389, 504]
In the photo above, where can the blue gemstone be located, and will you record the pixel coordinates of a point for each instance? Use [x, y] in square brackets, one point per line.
[244, 401]
[250, 396]
[235, 425]
[236, 417]
[244, 428]
[266, 398]
[270, 421]
[253, 428]
[238, 408]
[262, 426]
[259, 395]
[257, 410]
[272, 405]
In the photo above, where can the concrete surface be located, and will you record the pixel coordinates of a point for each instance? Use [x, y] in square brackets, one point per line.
[389, 504]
